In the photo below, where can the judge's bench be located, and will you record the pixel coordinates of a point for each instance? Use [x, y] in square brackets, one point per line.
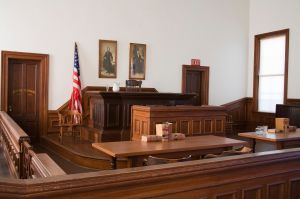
[111, 114]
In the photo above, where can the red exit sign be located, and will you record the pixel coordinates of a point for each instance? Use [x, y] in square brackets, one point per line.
[195, 62]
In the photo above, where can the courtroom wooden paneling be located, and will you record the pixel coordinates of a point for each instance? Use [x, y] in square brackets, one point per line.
[227, 177]
[227, 196]
[244, 119]
[293, 101]
[238, 111]
[111, 111]
[53, 114]
[276, 190]
[252, 192]
[294, 188]
[96, 89]
[190, 120]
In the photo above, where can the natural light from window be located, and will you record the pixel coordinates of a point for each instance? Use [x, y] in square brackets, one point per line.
[271, 73]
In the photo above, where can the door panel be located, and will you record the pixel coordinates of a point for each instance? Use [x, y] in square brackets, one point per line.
[31, 91]
[15, 87]
[195, 79]
[23, 95]
[193, 84]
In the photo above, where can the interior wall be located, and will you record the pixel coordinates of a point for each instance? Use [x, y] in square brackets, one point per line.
[271, 15]
[175, 31]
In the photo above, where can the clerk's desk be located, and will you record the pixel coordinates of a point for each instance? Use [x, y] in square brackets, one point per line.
[190, 120]
[110, 112]
[281, 140]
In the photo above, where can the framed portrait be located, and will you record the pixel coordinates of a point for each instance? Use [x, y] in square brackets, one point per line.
[137, 61]
[107, 59]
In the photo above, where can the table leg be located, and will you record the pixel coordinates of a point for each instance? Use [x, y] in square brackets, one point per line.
[114, 163]
[279, 145]
[253, 144]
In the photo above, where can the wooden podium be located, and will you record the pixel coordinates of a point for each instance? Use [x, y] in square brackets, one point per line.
[190, 120]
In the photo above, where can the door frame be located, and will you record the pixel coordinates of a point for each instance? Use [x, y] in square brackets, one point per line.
[43, 79]
[204, 70]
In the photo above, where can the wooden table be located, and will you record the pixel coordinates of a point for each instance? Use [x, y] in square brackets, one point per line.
[136, 151]
[282, 140]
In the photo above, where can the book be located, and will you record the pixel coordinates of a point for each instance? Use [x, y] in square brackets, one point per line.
[151, 138]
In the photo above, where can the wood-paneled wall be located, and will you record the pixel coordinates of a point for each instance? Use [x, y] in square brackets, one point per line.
[267, 175]
[245, 119]
[241, 110]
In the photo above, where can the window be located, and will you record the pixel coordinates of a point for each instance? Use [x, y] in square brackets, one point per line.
[270, 70]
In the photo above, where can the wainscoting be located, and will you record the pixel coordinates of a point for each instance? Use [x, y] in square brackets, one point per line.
[245, 119]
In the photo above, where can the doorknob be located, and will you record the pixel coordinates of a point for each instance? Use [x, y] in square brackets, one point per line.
[9, 108]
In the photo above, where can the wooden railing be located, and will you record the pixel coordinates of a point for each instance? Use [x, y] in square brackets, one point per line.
[267, 175]
[22, 161]
[12, 138]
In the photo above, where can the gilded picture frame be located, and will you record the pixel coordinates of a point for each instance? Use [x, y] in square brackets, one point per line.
[137, 61]
[108, 58]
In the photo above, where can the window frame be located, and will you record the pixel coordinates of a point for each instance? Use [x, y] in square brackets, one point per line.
[258, 38]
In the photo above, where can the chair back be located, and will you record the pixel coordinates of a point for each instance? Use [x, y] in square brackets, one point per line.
[133, 85]
[70, 117]
[241, 151]
[156, 160]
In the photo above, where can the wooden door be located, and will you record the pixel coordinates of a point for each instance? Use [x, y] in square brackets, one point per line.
[195, 79]
[193, 84]
[23, 95]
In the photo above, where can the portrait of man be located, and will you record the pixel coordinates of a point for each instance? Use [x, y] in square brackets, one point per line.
[137, 61]
[107, 59]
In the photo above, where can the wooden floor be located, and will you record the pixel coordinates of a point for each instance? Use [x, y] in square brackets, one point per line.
[79, 152]
[68, 166]
[83, 147]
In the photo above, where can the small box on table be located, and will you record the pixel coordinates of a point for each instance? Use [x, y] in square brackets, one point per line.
[164, 130]
[281, 124]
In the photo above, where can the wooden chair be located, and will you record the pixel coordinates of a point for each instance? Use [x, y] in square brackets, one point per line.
[151, 160]
[69, 122]
[133, 85]
[239, 151]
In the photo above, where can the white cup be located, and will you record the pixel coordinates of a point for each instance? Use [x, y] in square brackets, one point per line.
[265, 129]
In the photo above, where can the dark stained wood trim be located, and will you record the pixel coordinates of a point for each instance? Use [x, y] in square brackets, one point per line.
[204, 81]
[178, 180]
[245, 119]
[44, 64]
[53, 114]
[257, 39]
[237, 110]
[293, 101]
[238, 101]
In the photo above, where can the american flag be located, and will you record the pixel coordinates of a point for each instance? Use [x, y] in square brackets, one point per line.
[75, 101]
